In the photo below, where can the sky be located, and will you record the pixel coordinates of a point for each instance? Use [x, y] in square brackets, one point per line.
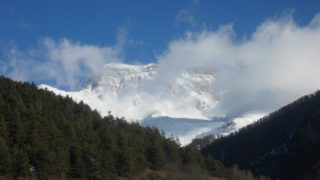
[149, 25]
[263, 51]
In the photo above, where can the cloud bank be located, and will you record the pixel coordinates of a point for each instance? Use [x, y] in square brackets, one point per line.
[64, 63]
[278, 63]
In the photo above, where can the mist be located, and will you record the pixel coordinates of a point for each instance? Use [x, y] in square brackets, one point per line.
[277, 64]
[273, 66]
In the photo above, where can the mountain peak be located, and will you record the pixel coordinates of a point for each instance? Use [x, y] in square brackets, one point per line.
[136, 93]
[133, 92]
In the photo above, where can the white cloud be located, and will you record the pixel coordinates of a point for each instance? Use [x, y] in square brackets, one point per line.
[64, 62]
[277, 64]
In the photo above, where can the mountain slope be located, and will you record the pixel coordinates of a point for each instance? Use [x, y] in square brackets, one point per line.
[46, 136]
[284, 144]
[137, 93]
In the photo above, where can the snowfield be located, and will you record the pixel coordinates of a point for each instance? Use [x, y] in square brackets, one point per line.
[183, 107]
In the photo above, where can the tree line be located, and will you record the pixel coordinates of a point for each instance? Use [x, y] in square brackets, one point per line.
[45, 136]
[285, 144]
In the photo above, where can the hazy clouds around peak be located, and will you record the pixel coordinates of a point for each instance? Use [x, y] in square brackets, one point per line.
[278, 63]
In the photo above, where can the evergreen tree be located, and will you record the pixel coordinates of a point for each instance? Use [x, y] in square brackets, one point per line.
[124, 156]
[172, 150]
[156, 155]
[21, 163]
[5, 159]
[46, 136]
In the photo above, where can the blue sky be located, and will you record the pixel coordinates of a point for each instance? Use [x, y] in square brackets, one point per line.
[149, 25]
[265, 53]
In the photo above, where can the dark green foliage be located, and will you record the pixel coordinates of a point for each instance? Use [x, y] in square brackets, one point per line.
[215, 167]
[43, 135]
[284, 144]
[5, 158]
[156, 154]
[191, 155]
[21, 163]
[172, 150]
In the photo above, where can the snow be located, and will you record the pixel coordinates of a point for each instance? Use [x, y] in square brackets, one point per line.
[131, 91]
[182, 107]
[244, 120]
[184, 129]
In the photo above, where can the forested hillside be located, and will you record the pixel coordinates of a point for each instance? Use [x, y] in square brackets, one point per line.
[47, 136]
[284, 144]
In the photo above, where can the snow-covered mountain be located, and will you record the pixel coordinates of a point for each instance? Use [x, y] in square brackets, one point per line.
[182, 106]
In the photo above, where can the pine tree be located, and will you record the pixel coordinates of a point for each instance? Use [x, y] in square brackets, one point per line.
[21, 163]
[124, 156]
[76, 163]
[156, 155]
[45, 136]
[5, 159]
[172, 150]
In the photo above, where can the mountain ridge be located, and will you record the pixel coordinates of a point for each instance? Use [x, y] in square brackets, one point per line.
[138, 92]
[283, 144]
[47, 136]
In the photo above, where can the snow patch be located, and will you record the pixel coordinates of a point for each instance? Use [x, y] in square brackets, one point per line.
[183, 107]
